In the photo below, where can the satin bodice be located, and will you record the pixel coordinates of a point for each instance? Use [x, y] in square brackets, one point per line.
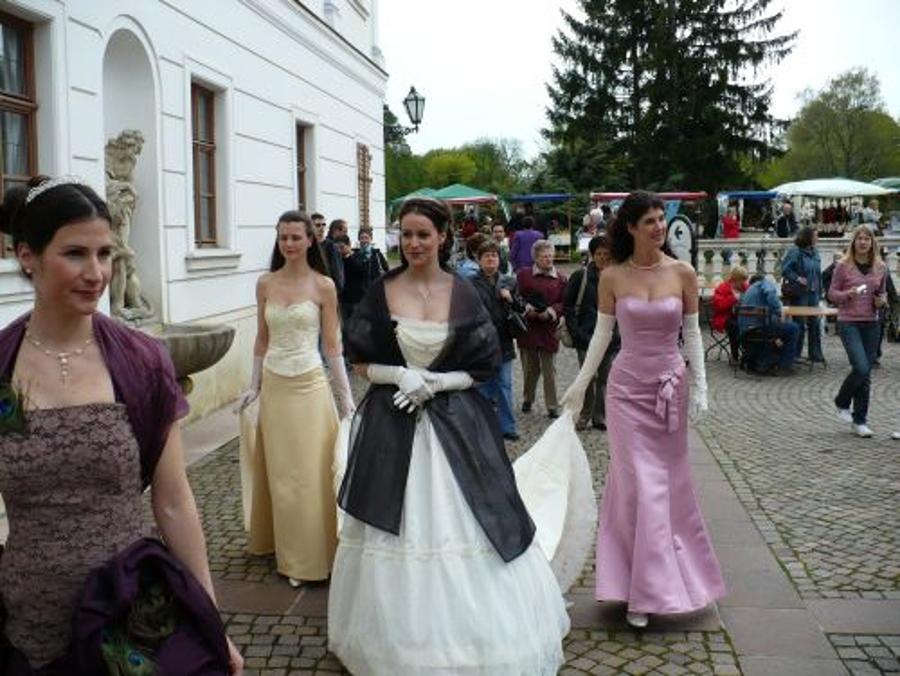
[649, 330]
[420, 341]
[293, 338]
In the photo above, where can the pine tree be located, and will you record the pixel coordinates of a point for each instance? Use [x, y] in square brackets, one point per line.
[665, 90]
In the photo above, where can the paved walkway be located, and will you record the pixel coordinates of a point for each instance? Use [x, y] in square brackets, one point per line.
[804, 518]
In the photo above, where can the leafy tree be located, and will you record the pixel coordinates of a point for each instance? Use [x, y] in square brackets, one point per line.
[842, 130]
[660, 95]
[443, 167]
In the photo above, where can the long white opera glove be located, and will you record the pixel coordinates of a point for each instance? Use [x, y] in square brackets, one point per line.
[573, 399]
[340, 385]
[413, 390]
[693, 350]
[452, 380]
[249, 395]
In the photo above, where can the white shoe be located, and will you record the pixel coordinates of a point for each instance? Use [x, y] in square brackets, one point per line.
[844, 415]
[862, 430]
[295, 583]
[637, 620]
[895, 435]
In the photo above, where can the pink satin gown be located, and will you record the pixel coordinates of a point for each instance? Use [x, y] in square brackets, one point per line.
[653, 550]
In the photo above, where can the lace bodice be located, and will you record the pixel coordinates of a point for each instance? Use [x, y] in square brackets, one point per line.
[420, 341]
[293, 338]
[72, 486]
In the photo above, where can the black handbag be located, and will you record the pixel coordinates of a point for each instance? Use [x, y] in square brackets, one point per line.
[515, 318]
[792, 289]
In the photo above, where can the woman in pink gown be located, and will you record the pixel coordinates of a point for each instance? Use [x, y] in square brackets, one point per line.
[653, 551]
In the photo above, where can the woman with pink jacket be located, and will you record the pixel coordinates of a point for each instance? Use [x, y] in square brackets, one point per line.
[858, 290]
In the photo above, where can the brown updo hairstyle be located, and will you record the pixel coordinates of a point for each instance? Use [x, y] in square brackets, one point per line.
[36, 223]
[436, 211]
[630, 213]
[314, 255]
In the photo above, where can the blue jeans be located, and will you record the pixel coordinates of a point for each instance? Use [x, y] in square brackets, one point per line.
[498, 391]
[860, 341]
[812, 325]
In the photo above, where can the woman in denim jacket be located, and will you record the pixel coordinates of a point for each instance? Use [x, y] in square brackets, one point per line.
[803, 267]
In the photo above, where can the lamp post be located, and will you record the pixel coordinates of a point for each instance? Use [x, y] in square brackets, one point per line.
[415, 107]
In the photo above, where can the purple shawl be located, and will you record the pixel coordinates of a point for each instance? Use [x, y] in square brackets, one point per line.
[143, 379]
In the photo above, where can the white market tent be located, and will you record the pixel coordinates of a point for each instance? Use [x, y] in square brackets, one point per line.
[833, 188]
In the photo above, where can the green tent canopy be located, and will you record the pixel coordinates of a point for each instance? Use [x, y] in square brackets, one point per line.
[421, 192]
[459, 193]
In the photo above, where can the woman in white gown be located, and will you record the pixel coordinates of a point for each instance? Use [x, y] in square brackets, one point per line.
[438, 571]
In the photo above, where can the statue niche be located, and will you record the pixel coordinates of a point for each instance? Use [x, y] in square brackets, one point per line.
[127, 303]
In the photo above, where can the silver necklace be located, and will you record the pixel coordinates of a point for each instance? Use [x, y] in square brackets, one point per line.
[645, 267]
[62, 357]
[426, 294]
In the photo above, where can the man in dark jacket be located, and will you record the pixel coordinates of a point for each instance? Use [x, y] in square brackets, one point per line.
[329, 251]
[581, 317]
[786, 225]
[495, 291]
[362, 266]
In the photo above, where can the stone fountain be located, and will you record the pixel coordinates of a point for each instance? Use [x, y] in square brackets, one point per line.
[193, 347]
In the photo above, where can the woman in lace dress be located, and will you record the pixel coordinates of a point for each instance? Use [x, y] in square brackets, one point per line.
[437, 569]
[292, 502]
[98, 406]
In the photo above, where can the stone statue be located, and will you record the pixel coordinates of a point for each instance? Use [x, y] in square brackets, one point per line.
[126, 300]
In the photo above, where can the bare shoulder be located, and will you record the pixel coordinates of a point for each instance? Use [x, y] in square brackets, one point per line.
[686, 274]
[325, 285]
[263, 284]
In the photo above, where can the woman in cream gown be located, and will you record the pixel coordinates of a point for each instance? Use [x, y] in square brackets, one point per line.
[288, 481]
[439, 570]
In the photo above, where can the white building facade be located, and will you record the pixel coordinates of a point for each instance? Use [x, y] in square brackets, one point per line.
[248, 108]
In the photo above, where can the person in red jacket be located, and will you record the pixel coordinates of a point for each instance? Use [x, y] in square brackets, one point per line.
[731, 224]
[724, 300]
[541, 285]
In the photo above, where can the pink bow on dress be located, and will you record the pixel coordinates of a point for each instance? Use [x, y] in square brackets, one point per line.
[665, 406]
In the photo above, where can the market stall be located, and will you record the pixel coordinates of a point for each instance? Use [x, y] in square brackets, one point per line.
[557, 220]
[831, 205]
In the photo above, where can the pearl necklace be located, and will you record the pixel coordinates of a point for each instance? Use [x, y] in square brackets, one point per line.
[62, 357]
[645, 267]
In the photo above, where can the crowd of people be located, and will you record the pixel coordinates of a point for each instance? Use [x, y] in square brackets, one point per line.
[438, 552]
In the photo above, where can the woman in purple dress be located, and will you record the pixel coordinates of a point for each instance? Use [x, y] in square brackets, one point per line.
[88, 419]
[653, 551]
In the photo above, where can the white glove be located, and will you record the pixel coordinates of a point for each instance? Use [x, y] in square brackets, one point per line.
[340, 385]
[252, 392]
[412, 391]
[573, 399]
[693, 351]
[452, 380]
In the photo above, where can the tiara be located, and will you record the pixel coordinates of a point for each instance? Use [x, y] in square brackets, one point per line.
[52, 183]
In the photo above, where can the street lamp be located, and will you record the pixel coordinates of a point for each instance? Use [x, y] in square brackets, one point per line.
[415, 107]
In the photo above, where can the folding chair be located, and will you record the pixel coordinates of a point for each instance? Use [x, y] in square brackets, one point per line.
[755, 340]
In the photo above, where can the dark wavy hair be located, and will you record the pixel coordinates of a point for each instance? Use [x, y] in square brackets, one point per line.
[314, 255]
[632, 210]
[36, 223]
[804, 237]
[436, 211]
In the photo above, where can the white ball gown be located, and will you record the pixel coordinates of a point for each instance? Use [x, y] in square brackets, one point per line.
[437, 599]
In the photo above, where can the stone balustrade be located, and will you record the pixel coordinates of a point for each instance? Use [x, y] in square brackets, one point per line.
[763, 254]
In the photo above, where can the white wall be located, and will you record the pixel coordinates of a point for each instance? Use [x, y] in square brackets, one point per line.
[274, 63]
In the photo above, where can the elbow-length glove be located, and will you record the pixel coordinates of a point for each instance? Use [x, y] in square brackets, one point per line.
[693, 350]
[249, 395]
[412, 391]
[340, 385]
[573, 399]
[451, 380]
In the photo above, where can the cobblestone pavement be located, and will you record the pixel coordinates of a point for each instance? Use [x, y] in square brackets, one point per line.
[292, 643]
[865, 655]
[825, 501]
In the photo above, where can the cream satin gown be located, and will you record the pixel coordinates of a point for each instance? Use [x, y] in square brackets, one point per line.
[287, 456]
